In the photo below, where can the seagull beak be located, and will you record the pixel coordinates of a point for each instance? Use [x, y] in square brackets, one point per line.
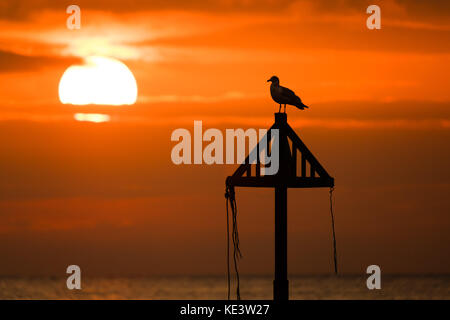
[268, 80]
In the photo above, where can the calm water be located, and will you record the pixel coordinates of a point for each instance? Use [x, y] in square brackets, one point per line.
[255, 287]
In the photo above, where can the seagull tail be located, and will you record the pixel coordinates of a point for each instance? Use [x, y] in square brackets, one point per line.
[301, 106]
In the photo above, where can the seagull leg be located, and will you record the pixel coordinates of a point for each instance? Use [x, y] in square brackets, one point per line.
[279, 110]
[285, 108]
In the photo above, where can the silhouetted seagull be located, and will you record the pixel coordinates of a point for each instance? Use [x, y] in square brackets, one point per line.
[282, 95]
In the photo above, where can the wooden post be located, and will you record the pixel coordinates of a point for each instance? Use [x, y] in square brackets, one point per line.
[287, 176]
[280, 284]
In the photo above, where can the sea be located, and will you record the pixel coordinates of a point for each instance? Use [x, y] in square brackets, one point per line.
[215, 287]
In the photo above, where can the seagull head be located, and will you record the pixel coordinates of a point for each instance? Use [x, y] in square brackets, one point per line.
[274, 80]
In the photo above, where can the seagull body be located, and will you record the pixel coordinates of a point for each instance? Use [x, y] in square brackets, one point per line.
[282, 95]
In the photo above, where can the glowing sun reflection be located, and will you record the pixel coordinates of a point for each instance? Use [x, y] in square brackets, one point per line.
[92, 117]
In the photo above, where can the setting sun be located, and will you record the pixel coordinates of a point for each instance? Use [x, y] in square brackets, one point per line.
[99, 80]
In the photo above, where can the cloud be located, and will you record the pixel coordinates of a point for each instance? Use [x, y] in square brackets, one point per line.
[220, 110]
[417, 9]
[231, 95]
[12, 62]
[20, 9]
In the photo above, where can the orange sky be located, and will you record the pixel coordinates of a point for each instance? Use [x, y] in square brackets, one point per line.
[107, 196]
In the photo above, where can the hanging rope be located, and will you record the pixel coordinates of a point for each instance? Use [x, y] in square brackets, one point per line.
[228, 246]
[334, 233]
[231, 200]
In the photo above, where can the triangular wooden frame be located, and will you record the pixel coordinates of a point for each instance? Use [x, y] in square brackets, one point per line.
[290, 145]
